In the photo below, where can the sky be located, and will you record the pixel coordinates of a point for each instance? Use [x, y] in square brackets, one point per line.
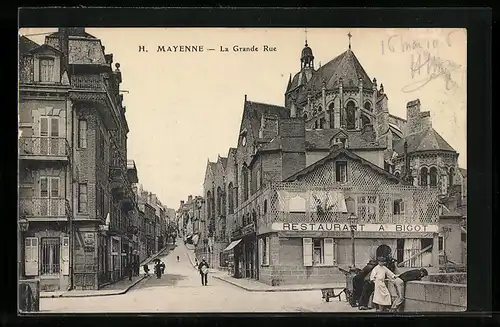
[184, 108]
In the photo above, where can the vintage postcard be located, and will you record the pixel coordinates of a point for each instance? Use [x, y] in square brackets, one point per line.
[166, 170]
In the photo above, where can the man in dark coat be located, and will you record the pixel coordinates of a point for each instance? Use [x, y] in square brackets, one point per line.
[367, 288]
[203, 269]
[400, 282]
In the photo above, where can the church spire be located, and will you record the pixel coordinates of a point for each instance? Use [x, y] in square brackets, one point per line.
[306, 58]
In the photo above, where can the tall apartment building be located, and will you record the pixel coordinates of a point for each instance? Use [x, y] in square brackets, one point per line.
[74, 182]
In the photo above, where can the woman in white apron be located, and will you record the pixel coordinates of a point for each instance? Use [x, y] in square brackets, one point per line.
[381, 295]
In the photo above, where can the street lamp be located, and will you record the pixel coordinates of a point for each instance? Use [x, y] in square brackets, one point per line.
[352, 220]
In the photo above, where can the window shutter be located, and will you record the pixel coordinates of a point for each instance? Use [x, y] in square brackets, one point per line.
[329, 252]
[268, 253]
[44, 187]
[54, 187]
[65, 256]
[307, 251]
[31, 256]
[261, 257]
[54, 127]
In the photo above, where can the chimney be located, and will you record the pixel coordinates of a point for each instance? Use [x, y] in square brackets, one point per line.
[413, 116]
[182, 202]
[190, 198]
[292, 133]
[425, 120]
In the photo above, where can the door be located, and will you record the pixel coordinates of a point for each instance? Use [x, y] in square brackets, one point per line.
[50, 203]
[31, 256]
[49, 136]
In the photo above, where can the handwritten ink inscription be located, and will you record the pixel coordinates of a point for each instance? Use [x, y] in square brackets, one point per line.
[426, 68]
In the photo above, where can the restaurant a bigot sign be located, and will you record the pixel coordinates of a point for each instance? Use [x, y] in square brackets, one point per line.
[341, 227]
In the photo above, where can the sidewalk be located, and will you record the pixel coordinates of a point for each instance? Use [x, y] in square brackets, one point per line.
[117, 288]
[256, 286]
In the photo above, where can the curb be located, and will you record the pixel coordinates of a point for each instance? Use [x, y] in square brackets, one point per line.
[66, 295]
[272, 290]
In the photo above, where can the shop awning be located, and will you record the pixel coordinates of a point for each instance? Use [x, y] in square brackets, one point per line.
[232, 245]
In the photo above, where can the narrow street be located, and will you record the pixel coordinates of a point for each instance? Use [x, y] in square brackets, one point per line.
[180, 290]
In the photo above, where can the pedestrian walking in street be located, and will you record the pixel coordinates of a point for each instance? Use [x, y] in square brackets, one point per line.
[400, 284]
[203, 269]
[178, 259]
[130, 271]
[146, 270]
[157, 269]
[162, 267]
[381, 295]
[366, 286]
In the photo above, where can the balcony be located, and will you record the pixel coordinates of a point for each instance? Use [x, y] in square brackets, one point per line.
[44, 208]
[118, 177]
[302, 202]
[44, 148]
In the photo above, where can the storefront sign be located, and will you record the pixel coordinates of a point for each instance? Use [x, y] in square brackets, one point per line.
[341, 227]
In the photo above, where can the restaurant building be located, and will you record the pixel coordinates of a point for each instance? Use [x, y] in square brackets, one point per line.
[302, 229]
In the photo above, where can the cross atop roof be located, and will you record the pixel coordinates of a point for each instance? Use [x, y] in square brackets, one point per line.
[349, 35]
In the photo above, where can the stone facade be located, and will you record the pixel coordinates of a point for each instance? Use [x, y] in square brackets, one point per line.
[68, 144]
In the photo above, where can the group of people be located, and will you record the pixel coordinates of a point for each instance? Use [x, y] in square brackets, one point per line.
[159, 268]
[372, 280]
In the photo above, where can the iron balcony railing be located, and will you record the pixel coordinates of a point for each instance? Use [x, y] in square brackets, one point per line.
[88, 82]
[44, 146]
[44, 207]
[297, 202]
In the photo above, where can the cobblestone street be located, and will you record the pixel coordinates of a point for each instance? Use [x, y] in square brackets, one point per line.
[180, 290]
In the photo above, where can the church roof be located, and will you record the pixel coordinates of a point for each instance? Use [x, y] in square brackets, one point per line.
[223, 161]
[26, 45]
[345, 66]
[254, 111]
[334, 154]
[426, 140]
[320, 139]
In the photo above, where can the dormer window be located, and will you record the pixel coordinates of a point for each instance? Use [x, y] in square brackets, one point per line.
[46, 69]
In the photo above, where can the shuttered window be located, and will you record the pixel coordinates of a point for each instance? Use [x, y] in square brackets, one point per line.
[46, 70]
[307, 246]
[330, 252]
[65, 256]
[31, 256]
[82, 134]
[82, 197]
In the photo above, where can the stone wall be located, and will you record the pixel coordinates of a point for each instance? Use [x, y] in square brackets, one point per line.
[428, 296]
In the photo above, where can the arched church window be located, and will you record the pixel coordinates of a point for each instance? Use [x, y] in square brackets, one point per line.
[304, 115]
[365, 120]
[219, 200]
[230, 198]
[331, 112]
[368, 106]
[451, 175]
[244, 173]
[209, 204]
[320, 109]
[423, 176]
[433, 176]
[397, 174]
[322, 123]
[350, 115]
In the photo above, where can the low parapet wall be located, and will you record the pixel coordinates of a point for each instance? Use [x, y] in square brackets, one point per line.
[422, 296]
[451, 278]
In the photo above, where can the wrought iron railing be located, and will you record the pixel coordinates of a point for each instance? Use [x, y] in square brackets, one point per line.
[88, 82]
[297, 202]
[43, 146]
[44, 207]
[414, 258]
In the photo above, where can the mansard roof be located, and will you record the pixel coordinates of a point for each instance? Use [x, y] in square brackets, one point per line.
[425, 140]
[332, 156]
[26, 45]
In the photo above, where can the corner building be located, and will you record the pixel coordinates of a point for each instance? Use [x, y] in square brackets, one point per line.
[334, 150]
